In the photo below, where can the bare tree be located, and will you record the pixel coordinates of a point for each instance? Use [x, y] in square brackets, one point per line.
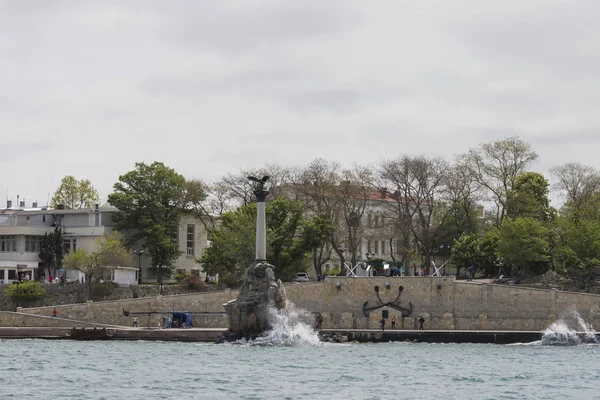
[240, 190]
[318, 184]
[204, 202]
[415, 183]
[460, 197]
[577, 183]
[496, 165]
[353, 195]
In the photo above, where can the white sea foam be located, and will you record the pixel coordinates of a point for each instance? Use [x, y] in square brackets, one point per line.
[291, 327]
[560, 333]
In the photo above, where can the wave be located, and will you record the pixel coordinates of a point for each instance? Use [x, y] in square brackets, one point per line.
[560, 333]
[291, 327]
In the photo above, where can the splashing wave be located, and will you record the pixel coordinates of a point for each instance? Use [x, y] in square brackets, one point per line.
[292, 327]
[559, 333]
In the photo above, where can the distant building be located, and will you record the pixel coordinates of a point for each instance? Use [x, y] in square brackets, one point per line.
[21, 230]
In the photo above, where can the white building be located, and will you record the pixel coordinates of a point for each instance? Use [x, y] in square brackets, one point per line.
[21, 230]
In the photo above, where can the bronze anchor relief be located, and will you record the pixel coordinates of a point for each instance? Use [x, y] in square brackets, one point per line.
[392, 304]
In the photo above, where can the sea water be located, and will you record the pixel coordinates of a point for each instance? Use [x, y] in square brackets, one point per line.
[291, 363]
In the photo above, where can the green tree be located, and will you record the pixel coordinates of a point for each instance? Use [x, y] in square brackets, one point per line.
[576, 183]
[110, 253]
[51, 251]
[232, 244]
[529, 198]
[465, 251]
[196, 202]
[524, 244]
[496, 165]
[580, 250]
[487, 256]
[588, 209]
[470, 249]
[458, 210]
[290, 237]
[74, 194]
[151, 199]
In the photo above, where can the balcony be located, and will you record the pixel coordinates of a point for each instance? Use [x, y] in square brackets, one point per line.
[30, 230]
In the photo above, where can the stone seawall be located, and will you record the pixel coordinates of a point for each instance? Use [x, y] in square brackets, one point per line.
[445, 304]
[207, 309]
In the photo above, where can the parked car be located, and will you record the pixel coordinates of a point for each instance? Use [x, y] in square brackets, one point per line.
[301, 277]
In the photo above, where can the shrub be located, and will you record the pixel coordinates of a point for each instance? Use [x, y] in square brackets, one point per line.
[104, 289]
[26, 291]
[181, 275]
[193, 282]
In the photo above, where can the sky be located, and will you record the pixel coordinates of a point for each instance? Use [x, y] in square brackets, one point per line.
[88, 88]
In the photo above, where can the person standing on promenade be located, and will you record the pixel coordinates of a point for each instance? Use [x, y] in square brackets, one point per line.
[54, 313]
[382, 324]
[421, 320]
[135, 321]
[393, 322]
[319, 320]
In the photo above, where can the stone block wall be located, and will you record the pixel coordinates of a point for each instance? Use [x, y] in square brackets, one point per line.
[207, 310]
[443, 302]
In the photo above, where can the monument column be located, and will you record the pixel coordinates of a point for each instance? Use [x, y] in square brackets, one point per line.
[261, 229]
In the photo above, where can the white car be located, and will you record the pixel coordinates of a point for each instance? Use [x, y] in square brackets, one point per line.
[301, 277]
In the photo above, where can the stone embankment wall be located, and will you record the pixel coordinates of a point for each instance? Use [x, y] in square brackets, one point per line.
[76, 292]
[443, 302]
[207, 309]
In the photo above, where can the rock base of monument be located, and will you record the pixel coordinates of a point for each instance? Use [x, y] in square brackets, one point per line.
[248, 315]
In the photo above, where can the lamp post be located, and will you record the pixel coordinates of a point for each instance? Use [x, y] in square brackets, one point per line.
[139, 252]
[18, 282]
[161, 271]
[445, 254]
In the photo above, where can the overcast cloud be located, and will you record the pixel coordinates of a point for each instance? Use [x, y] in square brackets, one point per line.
[209, 87]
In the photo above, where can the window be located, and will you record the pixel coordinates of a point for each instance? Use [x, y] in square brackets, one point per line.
[32, 244]
[97, 219]
[12, 274]
[2, 274]
[8, 243]
[69, 245]
[190, 240]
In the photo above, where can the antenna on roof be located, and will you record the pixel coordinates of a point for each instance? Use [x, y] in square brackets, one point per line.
[37, 186]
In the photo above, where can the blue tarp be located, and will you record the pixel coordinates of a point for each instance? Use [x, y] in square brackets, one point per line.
[182, 319]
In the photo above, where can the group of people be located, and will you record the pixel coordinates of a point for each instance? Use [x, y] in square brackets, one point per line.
[421, 320]
[382, 323]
